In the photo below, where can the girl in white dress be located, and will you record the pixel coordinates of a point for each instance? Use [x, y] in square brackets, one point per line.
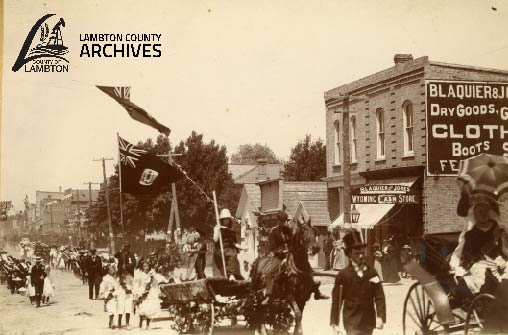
[108, 292]
[48, 288]
[147, 293]
[125, 298]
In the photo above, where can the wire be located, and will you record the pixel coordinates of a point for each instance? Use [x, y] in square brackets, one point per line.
[201, 190]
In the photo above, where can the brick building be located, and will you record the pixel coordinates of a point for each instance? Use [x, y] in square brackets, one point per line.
[388, 141]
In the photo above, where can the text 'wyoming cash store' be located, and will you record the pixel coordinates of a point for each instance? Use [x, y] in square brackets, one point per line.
[406, 130]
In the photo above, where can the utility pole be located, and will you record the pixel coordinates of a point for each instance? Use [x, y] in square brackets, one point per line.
[346, 151]
[174, 216]
[110, 225]
[89, 203]
[89, 183]
[78, 225]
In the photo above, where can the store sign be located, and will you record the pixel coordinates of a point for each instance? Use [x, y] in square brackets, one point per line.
[464, 119]
[385, 194]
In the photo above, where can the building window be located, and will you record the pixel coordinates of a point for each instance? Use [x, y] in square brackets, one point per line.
[407, 116]
[336, 154]
[380, 125]
[353, 139]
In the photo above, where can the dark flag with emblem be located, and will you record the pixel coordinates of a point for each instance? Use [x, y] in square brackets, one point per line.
[142, 172]
[122, 96]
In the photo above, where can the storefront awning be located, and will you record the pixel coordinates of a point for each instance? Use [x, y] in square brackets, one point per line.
[372, 214]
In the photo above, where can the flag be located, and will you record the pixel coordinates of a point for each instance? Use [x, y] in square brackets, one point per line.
[122, 96]
[142, 172]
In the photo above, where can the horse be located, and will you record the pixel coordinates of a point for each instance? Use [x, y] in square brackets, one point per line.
[294, 280]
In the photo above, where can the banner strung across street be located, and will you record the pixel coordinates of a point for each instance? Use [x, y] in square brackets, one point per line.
[464, 119]
[142, 172]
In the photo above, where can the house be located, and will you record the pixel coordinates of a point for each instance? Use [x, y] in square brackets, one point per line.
[306, 198]
[251, 174]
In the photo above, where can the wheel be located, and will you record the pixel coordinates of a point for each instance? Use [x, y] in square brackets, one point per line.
[475, 318]
[279, 319]
[418, 316]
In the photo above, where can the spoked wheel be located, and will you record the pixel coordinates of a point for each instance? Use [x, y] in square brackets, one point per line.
[475, 318]
[279, 320]
[419, 316]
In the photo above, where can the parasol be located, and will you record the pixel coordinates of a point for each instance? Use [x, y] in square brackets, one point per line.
[486, 173]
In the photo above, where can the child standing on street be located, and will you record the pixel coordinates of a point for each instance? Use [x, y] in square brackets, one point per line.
[108, 292]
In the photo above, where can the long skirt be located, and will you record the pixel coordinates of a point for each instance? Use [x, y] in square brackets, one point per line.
[341, 261]
[232, 263]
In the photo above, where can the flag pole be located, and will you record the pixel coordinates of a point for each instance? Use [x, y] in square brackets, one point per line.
[120, 181]
[220, 233]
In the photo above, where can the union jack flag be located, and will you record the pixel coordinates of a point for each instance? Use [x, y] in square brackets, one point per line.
[129, 154]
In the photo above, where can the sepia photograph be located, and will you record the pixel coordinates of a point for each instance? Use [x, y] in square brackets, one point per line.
[253, 167]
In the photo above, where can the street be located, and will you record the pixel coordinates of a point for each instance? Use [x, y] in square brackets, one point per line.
[70, 312]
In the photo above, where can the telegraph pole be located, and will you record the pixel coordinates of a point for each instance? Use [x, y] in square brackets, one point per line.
[174, 217]
[90, 192]
[346, 151]
[111, 236]
[89, 205]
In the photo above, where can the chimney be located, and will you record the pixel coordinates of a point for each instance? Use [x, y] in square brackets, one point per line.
[262, 174]
[402, 58]
[60, 189]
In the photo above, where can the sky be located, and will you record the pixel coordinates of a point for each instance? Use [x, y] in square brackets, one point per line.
[238, 72]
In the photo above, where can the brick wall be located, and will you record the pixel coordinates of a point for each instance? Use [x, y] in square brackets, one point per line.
[389, 89]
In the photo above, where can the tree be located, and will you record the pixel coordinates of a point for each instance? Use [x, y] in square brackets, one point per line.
[250, 153]
[205, 163]
[307, 161]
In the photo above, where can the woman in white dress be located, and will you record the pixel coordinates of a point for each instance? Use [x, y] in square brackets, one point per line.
[108, 292]
[49, 288]
[341, 261]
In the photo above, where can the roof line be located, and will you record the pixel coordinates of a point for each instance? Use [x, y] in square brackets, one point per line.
[469, 67]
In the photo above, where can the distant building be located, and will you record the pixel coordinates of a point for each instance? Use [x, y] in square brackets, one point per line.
[251, 174]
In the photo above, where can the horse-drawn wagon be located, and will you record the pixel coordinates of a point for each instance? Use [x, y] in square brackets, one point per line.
[205, 304]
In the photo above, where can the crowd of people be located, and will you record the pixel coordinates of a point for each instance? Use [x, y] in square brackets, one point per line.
[129, 284]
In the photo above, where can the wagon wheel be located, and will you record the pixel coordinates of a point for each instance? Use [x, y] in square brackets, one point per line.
[419, 316]
[475, 318]
[268, 328]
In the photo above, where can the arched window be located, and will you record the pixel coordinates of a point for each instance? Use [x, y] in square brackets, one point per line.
[336, 154]
[380, 131]
[352, 122]
[407, 116]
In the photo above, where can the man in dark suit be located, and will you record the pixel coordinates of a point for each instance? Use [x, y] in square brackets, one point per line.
[359, 288]
[94, 271]
[37, 279]
[126, 261]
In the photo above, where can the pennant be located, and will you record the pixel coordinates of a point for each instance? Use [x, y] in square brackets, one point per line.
[122, 96]
[142, 172]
